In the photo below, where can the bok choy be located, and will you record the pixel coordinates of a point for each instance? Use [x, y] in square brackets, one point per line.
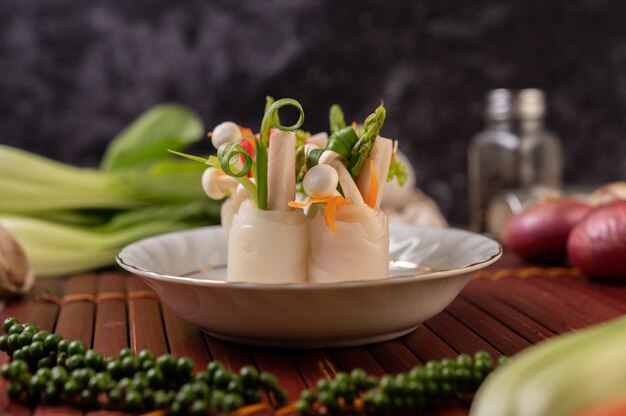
[71, 219]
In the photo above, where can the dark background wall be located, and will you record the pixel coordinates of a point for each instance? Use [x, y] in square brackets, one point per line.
[73, 73]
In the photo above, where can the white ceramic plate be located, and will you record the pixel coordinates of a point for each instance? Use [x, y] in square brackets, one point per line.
[429, 268]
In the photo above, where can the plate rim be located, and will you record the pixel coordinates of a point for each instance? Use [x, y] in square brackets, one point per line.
[439, 274]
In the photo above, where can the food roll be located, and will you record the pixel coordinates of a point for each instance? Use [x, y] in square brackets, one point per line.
[268, 246]
[358, 251]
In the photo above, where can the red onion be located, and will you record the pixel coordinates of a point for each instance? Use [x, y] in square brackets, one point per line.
[597, 245]
[540, 232]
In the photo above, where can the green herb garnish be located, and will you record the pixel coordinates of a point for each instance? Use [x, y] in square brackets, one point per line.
[335, 116]
[398, 171]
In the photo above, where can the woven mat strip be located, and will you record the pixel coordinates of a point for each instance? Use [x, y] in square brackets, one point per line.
[98, 298]
[525, 272]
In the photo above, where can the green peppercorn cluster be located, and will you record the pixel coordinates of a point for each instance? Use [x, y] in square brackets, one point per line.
[405, 392]
[49, 369]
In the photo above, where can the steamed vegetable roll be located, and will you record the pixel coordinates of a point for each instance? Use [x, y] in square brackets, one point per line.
[268, 246]
[359, 250]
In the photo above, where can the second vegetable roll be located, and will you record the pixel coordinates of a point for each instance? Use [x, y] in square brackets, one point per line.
[359, 250]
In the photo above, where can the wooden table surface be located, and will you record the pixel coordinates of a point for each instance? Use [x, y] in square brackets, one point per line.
[503, 310]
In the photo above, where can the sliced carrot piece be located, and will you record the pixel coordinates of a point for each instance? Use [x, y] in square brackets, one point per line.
[245, 131]
[296, 204]
[330, 208]
[373, 193]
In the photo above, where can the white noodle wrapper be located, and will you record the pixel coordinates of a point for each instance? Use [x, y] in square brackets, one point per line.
[227, 213]
[268, 246]
[359, 250]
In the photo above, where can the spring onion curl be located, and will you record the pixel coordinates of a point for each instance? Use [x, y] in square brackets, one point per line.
[229, 151]
[362, 148]
[336, 118]
[262, 142]
[269, 100]
[214, 161]
[273, 110]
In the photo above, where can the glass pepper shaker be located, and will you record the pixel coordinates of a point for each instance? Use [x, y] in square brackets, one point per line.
[540, 151]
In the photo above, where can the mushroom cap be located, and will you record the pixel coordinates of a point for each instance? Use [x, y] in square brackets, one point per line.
[320, 181]
[226, 132]
[211, 185]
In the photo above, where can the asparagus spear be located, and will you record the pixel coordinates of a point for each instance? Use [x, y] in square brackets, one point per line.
[367, 138]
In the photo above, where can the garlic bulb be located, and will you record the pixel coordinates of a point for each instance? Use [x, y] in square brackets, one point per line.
[16, 274]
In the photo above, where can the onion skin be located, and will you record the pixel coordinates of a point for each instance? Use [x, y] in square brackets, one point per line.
[541, 232]
[597, 245]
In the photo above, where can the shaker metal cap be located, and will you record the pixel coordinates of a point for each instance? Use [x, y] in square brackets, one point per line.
[499, 104]
[530, 104]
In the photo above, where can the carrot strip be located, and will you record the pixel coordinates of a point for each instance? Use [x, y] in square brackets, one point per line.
[353, 125]
[330, 208]
[245, 131]
[373, 193]
[296, 204]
